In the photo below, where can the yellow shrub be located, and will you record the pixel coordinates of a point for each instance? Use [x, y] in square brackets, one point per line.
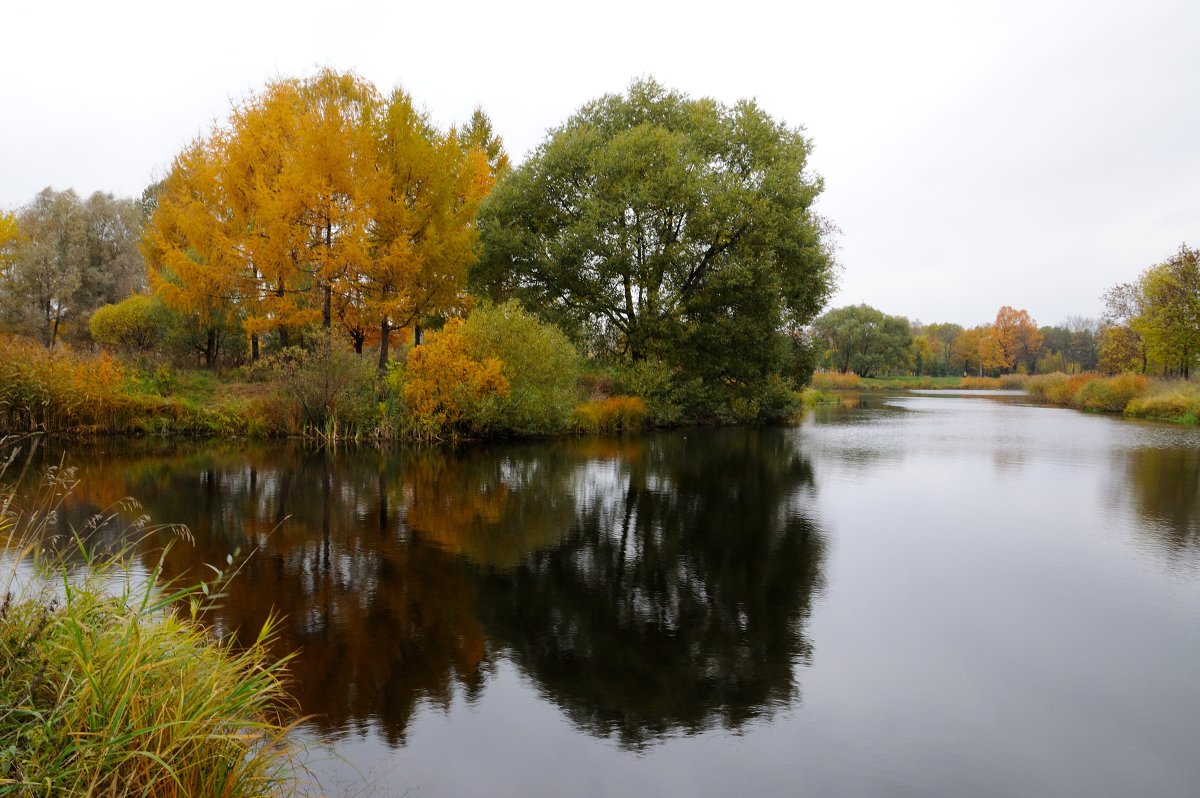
[443, 384]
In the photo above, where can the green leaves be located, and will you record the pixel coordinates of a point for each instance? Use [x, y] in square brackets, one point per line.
[655, 225]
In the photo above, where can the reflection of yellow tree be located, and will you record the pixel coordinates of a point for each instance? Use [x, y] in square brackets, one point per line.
[492, 506]
[379, 624]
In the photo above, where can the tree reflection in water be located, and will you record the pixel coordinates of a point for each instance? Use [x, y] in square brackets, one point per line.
[650, 586]
[678, 598]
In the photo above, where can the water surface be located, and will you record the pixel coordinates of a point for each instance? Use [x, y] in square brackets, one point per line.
[905, 595]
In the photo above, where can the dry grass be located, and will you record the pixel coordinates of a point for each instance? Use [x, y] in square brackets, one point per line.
[835, 381]
[613, 414]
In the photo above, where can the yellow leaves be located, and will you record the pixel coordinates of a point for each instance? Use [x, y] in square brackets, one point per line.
[443, 383]
[322, 199]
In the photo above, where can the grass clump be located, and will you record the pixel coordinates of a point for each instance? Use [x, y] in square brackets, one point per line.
[1111, 394]
[1089, 391]
[1175, 401]
[111, 685]
[611, 414]
[835, 381]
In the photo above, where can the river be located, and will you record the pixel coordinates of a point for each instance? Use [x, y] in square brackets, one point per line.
[917, 594]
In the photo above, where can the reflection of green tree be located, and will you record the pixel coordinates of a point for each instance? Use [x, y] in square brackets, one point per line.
[679, 596]
[1166, 487]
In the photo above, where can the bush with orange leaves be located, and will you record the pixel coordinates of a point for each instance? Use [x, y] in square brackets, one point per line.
[442, 385]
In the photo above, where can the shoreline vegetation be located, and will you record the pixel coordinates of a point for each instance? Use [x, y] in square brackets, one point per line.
[1134, 395]
[110, 683]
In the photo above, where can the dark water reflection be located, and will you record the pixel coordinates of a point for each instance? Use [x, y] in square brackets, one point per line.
[649, 586]
[906, 595]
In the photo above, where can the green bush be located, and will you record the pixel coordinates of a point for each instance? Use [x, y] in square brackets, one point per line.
[541, 366]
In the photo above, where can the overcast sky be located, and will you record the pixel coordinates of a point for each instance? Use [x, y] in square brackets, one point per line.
[974, 154]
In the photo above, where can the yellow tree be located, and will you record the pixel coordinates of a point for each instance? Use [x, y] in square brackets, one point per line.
[192, 246]
[424, 218]
[1018, 338]
[339, 204]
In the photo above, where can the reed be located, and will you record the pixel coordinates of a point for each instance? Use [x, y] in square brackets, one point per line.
[612, 414]
[835, 381]
[111, 686]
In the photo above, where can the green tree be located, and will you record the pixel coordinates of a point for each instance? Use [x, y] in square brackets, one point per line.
[1170, 319]
[70, 256]
[864, 340]
[653, 225]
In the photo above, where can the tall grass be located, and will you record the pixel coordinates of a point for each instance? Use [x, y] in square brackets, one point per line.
[1172, 400]
[111, 686]
[612, 414]
[835, 381]
[1089, 391]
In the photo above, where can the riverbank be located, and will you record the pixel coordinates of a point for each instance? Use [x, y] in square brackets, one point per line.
[835, 381]
[1134, 395]
[329, 394]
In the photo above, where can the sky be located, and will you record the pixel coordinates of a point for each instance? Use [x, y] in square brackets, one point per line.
[974, 154]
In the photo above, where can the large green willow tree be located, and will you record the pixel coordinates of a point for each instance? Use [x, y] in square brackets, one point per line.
[653, 225]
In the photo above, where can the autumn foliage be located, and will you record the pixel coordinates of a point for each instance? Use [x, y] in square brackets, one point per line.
[442, 385]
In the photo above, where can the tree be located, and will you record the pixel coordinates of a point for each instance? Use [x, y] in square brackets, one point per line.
[67, 258]
[1122, 347]
[320, 202]
[864, 340]
[1170, 319]
[1017, 338]
[653, 225]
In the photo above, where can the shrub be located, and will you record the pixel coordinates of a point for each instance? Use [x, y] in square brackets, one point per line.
[652, 380]
[1014, 382]
[442, 386]
[539, 363]
[135, 325]
[329, 390]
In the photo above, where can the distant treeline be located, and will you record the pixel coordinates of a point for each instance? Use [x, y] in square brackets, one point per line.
[1150, 326]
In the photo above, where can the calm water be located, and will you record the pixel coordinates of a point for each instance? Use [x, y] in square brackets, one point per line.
[914, 595]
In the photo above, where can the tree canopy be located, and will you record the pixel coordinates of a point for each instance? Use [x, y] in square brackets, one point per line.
[62, 257]
[654, 225]
[323, 202]
[864, 340]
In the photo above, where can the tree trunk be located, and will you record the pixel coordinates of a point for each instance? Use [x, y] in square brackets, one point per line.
[359, 336]
[210, 348]
[385, 334]
[418, 335]
[254, 347]
[327, 311]
[283, 337]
